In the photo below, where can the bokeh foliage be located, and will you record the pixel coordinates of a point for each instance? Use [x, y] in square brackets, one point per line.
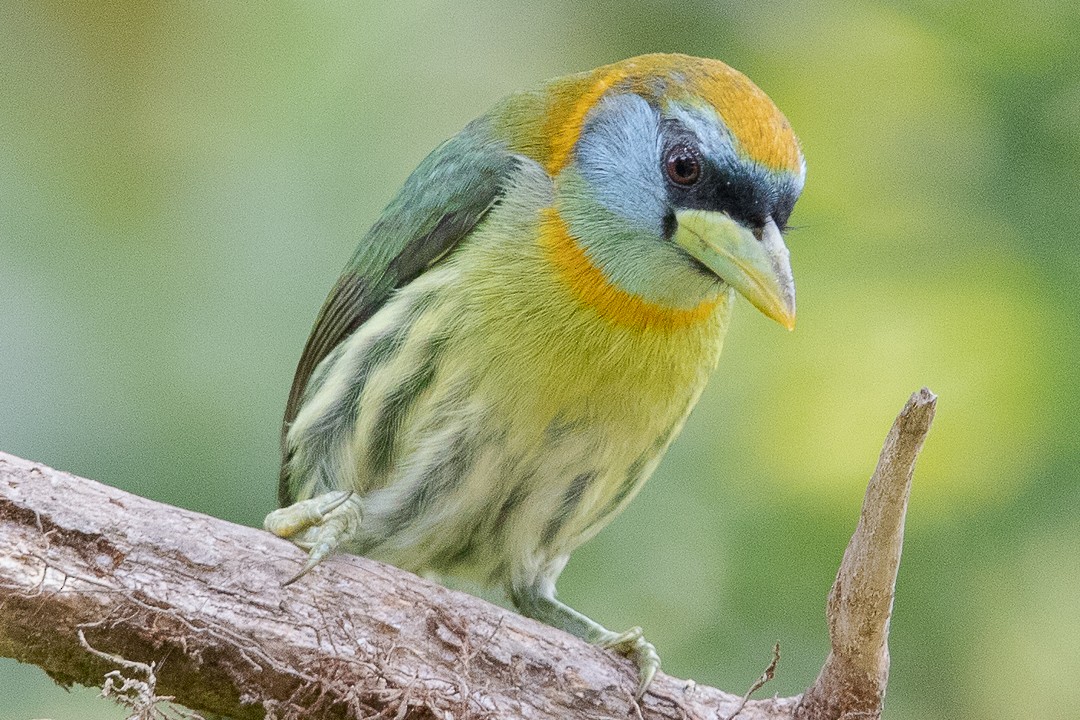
[181, 182]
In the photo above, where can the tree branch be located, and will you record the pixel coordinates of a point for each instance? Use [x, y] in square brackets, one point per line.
[853, 679]
[200, 602]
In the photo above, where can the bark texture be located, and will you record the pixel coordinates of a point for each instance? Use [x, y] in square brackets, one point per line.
[96, 583]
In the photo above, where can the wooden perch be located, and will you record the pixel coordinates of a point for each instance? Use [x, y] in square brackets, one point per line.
[95, 581]
[852, 681]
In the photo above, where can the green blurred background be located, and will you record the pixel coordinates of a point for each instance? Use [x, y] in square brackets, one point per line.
[181, 182]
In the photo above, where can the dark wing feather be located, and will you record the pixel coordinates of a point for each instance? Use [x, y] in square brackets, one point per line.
[353, 299]
[441, 202]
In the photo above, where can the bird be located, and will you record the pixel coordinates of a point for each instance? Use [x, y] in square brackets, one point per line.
[524, 330]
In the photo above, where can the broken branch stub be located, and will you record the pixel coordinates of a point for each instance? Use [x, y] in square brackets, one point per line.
[853, 679]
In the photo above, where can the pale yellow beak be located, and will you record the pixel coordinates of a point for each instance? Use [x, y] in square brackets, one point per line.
[759, 269]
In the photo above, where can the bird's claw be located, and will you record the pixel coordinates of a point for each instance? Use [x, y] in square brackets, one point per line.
[318, 525]
[633, 644]
[288, 521]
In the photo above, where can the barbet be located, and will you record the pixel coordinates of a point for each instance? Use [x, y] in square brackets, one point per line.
[526, 327]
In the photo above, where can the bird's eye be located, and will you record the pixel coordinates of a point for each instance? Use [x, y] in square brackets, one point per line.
[683, 165]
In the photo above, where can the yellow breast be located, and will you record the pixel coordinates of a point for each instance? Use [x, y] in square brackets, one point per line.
[557, 339]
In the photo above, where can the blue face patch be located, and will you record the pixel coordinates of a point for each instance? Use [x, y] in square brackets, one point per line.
[614, 199]
[619, 156]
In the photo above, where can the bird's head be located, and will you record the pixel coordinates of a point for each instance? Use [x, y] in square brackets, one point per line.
[676, 176]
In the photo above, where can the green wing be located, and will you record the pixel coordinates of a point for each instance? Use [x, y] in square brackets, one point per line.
[441, 202]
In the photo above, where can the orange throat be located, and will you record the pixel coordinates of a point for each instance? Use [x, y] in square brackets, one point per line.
[592, 288]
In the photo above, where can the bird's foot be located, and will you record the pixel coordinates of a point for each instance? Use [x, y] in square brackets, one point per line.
[633, 644]
[538, 602]
[319, 525]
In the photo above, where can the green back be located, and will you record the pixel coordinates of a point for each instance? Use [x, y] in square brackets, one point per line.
[440, 203]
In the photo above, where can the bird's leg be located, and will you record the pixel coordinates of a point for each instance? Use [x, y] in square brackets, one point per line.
[538, 602]
[319, 525]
